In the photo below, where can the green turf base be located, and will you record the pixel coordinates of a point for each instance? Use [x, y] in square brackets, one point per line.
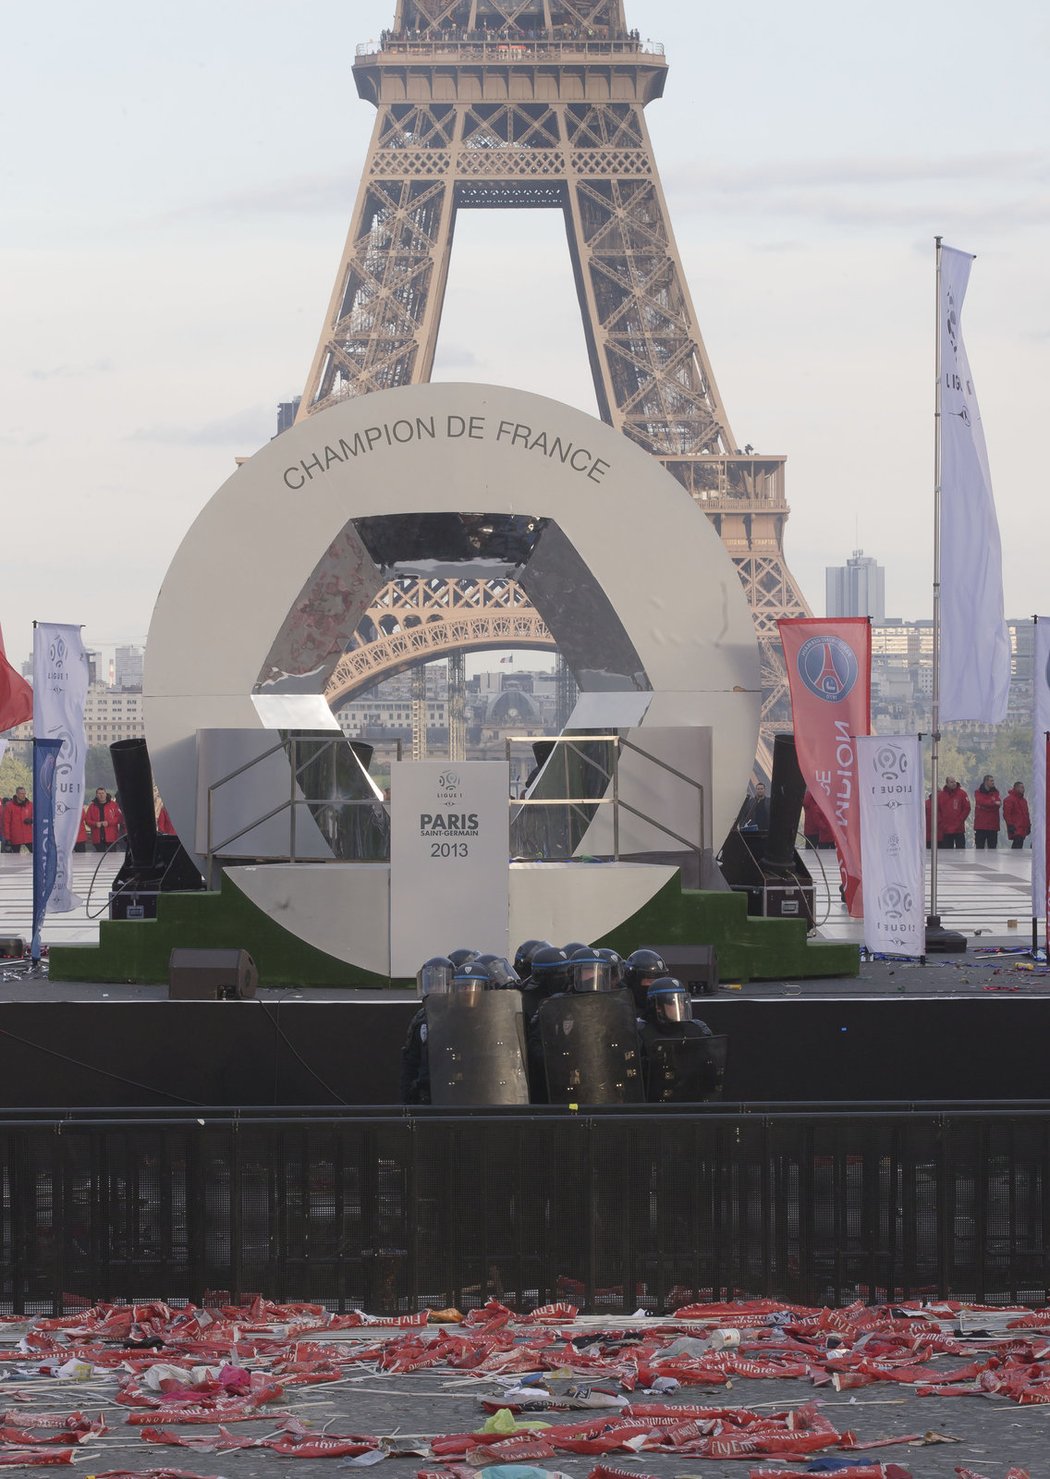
[137, 950]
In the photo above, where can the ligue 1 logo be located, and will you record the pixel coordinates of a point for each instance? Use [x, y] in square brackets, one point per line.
[952, 321]
[449, 782]
[896, 901]
[890, 762]
[828, 667]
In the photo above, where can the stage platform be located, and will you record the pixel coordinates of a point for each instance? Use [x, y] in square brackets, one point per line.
[957, 1028]
[970, 1026]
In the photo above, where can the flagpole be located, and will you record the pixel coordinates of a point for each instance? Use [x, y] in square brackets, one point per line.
[1038, 822]
[933, 922]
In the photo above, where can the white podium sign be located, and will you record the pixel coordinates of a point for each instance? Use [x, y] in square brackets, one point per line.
[449, 859]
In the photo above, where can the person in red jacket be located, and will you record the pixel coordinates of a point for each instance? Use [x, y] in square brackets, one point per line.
[1016, 815]
[103, 819]
[165, 825]
[953, 807]
[986, 804]
[815, 827]
[18, 822]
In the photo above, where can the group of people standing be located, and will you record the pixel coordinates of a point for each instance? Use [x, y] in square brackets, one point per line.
[101, 824]
[990, 811]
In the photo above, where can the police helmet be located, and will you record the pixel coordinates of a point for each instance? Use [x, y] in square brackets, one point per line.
[615, 959]
[524, 953]
[669, 1001]
[642, 969]
[572, 947]
[502, 974]
[590, 972]
[434, 975]
[461, 956]
[551, 969]
[469, 981]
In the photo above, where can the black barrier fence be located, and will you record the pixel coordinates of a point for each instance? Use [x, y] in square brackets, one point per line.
[387, 1211]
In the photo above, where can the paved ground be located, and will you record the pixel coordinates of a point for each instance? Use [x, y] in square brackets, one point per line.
[991, 1435]
[978, 893]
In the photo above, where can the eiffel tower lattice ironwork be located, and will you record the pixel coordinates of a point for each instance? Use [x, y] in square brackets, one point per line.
[540, 103]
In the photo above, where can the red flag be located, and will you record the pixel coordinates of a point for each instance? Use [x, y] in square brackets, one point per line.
[16, 695]
[829, 672]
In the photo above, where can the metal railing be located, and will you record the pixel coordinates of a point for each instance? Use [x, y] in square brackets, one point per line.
[567, 745]
[390, 1210]
[493, 50]
[579, 808]
[289, 804]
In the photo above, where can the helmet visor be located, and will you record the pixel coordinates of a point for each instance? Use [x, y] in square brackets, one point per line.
[502, 973]
[672, 1004]
[591, 975]
[434, 977]
[468, 990]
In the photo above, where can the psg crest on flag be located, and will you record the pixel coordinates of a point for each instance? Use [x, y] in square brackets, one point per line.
[828, 667]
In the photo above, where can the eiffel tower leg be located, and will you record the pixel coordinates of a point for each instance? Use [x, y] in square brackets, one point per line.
[383, 317]
[652, 373]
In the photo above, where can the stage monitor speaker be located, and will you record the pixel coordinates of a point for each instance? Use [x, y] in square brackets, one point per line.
[211, 975]
[696, 966]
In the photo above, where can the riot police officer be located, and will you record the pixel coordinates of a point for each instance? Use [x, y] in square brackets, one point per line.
[476, 1039]
[683, 1059]
[583, 1043]
[434, 975]
[641, 969]
[524, 954]
[549, 974]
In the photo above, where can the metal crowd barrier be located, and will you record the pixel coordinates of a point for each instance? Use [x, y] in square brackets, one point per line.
[389, 1210]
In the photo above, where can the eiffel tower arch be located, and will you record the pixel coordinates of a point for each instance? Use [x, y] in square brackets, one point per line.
[526, 104]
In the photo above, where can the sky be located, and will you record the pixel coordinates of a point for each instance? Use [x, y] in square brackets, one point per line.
[177, 181]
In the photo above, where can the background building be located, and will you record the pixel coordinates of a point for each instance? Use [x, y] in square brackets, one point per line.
[902, 676]
[127, 668]
[857, 588]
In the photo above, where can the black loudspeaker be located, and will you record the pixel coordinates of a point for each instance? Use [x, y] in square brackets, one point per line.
[155, 864]
[696, 966]
[211, 975]
[134, 776]
[787, 788]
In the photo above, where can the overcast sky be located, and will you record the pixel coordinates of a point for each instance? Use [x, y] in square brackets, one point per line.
[177, 182]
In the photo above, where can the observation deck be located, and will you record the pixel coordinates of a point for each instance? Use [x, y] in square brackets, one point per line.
[402, 67]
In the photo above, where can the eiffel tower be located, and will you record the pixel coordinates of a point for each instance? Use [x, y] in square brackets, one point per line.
[490, 104]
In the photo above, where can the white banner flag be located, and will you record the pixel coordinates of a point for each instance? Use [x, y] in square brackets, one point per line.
[892, 825]
[1040, 726]
[60, 685]
[975, 644]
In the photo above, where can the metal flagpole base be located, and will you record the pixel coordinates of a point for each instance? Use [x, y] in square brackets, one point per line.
[940, 941]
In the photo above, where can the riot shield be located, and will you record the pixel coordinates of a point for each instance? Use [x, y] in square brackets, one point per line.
[477, 1051]
[684, 1070]
[591, 1053]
